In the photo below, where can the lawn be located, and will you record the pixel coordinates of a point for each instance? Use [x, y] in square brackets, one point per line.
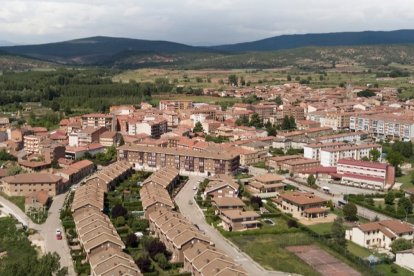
[270, 252]
[321, 228]
[17, 200]
[405, 180]
[358, 250]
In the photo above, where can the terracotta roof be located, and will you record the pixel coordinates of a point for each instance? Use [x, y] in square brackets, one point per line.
[269, 177]
[364, 164]
[32, 178]
[228, 201]
[237, 214]
[300, 198]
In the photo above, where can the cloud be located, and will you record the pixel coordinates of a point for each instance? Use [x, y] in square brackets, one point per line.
[195, 21]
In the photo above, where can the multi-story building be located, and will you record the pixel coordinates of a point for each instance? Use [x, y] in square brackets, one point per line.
[313, 151]
[86, 136]
[188, 162]
[330, 156]
[97, 120]
[343, 137]
[380, 234]
[302, 205]
[176, 104]
[336, 120]
[32, 143]
[237, 220]
[27, 183]
[364, 174]
[152, 126]
[383, 126]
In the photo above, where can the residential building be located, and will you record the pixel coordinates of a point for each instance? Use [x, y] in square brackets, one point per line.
[109, 139]
[98, 120]
[330, 156]
[380, 234]
[221, 186]
[302, 205]
[237, 220]
[176, 104]
[188, 162]
[266, 183]
[26, 183]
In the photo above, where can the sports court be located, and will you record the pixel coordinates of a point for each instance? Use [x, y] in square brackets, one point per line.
[321, 261]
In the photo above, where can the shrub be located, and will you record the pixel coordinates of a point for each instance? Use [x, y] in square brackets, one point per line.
[292, 223]
[131, 240]
[118, 211]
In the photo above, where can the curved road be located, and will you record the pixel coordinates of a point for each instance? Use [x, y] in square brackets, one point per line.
[194, 214]
[46, 230]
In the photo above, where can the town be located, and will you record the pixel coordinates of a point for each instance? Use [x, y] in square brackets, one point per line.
[287, 179]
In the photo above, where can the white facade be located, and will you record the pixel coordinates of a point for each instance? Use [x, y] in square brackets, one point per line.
[330, 156]
[405, 259]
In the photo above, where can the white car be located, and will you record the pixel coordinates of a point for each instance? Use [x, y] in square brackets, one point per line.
[195, 188]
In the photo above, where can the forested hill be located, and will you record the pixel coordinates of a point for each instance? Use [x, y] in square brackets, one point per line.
[326, 39]
[96, 49]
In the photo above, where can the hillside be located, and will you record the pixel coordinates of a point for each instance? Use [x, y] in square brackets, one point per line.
[127, 52]
[327, 39]
[93, 50]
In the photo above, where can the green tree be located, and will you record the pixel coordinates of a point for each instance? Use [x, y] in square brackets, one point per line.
[374, 155]
[289, 78]
[255, 121]
[405, 206]
[338, 232]
[350, 211]
[198, 127]
[232, 80]
[400, 245]
[278, 100]
[396, 159]
[55, 106]
[389, 198]
[161, 260]
[311, 180]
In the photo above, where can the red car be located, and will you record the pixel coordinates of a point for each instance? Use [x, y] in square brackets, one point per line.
[58, 234]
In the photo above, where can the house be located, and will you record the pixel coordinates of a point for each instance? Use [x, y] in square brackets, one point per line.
[266, 183]
[379, 234]
[302, 205]
[109, 139]
[227, 203]
[221, 186]
[113, 262]
[238, 220]
[36, 201]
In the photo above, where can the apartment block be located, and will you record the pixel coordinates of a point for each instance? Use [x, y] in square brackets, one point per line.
[329, 156]
[187, 162]
[26, 183]
[176, 104]
[97, 120]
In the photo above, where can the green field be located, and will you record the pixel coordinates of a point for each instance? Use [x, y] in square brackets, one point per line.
[270, 252]
[17, 200]
[405, 180]
[321, 228]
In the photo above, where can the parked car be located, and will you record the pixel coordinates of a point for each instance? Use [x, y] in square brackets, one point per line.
[58, 234]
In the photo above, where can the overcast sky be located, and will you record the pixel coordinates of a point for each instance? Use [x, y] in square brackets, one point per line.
[196, 22]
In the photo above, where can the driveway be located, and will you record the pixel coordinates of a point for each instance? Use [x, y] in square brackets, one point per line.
[193, 213]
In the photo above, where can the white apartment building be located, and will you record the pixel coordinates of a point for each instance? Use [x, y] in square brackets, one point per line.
[379, 234]
[152, 126]
[313, 151]
[329, 156]
[384, 126]
[365, 174]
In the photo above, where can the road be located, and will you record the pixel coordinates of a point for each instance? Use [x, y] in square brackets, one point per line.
[362, 211]
[194, 214]
[46, 230]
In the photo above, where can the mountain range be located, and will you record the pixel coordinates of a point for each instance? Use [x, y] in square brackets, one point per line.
[130, 53]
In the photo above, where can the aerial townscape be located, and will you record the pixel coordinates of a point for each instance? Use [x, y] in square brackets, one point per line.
[291, 155]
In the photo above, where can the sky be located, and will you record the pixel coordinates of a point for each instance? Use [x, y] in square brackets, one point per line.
[195, 22]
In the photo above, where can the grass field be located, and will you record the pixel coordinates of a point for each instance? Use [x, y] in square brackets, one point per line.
[17, 200]
[321, 228]
[405, 180]
[270, 252]
[358, 250]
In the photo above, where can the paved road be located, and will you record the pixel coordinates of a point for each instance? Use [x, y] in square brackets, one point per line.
[195, 215]
[46, 230]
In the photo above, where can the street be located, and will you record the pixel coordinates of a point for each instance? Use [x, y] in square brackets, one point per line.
[47, 230]
[194, 214]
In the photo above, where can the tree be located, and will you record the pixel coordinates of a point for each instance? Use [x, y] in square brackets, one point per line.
[144, 264]
[198, 127]
[374, 155]
[311, 180]
[400, 245]
[55, 106]
[14, 170]
[350, 211]
[155, 247]
[396, 159]
[131, 240]
[292, 223]
[288, 123]
[389, 198]
[242, 81]
[256, 202]
[338, 232]
[232, 80]
[278, 100]
[255, 121]
[120, 221]
[288, 78]
[121, 140]
[405, 206]
[118, 211]
[140, 225]
[161, 260]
